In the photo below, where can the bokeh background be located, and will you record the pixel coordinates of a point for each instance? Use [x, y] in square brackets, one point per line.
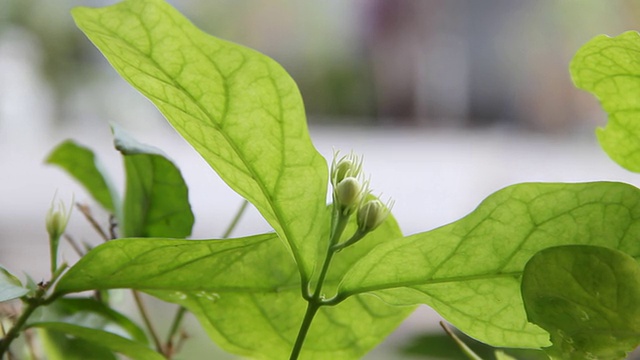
[449, 101]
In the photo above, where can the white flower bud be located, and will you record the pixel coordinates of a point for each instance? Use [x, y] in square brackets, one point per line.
[348, 194]
[371, 214]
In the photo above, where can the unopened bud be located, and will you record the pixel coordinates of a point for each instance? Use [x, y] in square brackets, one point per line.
[57, 219]
[346, 166]
[348, 194]
[371, 214]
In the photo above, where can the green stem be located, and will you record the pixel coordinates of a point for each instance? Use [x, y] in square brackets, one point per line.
[315, 301]
[235, 220]
[147, 321]
[312, 309]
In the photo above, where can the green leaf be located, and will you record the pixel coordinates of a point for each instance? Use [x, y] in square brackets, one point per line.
[59, 346]
[245, 292]
[469, 271]
[587, 298]
[156, 201]
[609, 68]
[238, 108]
[106, 339]
[10, 287]
[89, 313]
[80, 162]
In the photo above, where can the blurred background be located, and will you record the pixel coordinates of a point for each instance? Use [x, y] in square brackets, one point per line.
[449, 101]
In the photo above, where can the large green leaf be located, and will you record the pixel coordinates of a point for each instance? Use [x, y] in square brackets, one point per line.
[238, 108]
[609, 67]
[83, 166]
[245, 292]
[470, 270]
[587, 298]
[156, 201]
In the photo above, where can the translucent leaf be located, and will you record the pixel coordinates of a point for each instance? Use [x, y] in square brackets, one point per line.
[10, 287]
[238, 108]
[587, 298]
[156, 201]
[609, 68]
[83, 166]
[469, 271]
[245, 292]
[132, 349]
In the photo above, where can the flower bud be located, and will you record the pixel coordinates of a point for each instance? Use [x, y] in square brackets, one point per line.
[371, 214]
[348, 194]
[57, 219]
[346, 166]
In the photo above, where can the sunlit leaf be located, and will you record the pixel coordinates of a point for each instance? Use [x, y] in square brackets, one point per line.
[469, 271]
[609, 67]
[82, 165]
[245, 292]
[238, 108]
[156, 201]
[587, 298]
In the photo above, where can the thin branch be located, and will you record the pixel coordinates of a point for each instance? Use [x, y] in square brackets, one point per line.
[236, 219]
[84, 209]
[74, 244]
[147, 321]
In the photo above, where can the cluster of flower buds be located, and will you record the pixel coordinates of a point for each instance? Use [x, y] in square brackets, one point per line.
[351, 194]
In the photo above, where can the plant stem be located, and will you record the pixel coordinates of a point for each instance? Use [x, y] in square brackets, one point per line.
[315, 301]
[147, 321]
[312, 308]
[235, 220]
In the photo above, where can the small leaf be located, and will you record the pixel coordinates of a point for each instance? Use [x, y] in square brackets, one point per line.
[10, 287]
[238, 108]
[80, 162]
[469, 271]
[156, 201]
[587, 298]
[609, 68]
[132, 349]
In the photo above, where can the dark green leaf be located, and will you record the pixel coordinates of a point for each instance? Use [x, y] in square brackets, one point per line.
[610, 69]
[587, 298]
[238, 108]
[469, 271]
[83, 166]
[106, 339]
[91, 314]
[156, 201]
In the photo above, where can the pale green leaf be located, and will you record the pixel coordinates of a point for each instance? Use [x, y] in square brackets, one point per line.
[238, 108]
[587, 298]
[131, 349]
[81, 163]
[245, 292]
[469, 271]
[156, 201]
[10, 287]
[609, 67]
